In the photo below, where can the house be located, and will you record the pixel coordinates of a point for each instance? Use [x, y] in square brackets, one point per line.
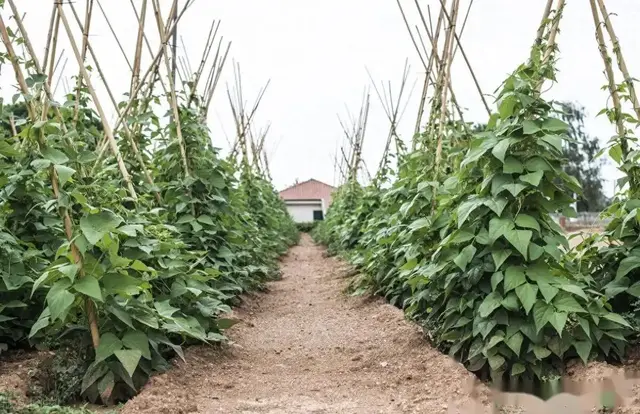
[307, 201]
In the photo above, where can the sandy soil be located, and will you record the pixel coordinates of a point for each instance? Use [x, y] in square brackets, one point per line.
[307, 348]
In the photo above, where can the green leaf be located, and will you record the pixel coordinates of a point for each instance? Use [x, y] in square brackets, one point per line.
[555, 125]
[465, 256]
[535, 251]
[583, 348]
[64, 173]
[517, 369]
[496, 278]
[226, 323]
[60, 299]
[532, 178]
[513, 188]
[626, 265]
[205, 219]
[529, 127]
[95, 226]
[519, 239]
[614, 317]
[497, 204]
[576, 290]
[548, 291]
[129, 359]
[566, 303]
[499, 256]
[501, 148]
[540, 351]
[109, 343]
[537, 164]
[165, 309]
[55, 156]
[527, 294]
[422, 223]
[584, 324]
[137, 340]
[496, 362]
[187, 218]
[527, 221]
[554, 140]
[141, 267]
[542, 314]
[512, 166]
[513, 277]
[498, 227]
[489, 304]
[89, 286]
[558, 320]
[466, 208]
[515, 342]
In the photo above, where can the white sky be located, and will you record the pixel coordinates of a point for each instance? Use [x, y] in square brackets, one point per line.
[315, 54]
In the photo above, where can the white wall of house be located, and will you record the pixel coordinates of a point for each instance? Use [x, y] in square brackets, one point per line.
[302, 212]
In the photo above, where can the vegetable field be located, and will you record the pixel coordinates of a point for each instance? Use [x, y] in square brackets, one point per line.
[123, 242]
[458, 232]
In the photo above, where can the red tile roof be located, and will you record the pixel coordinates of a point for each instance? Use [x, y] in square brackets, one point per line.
[309, 190]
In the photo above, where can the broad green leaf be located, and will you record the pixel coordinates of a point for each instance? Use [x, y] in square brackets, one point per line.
[527, 221]
[187, 218]
[519, 239]
[55, 156]
[542, 314]
[109, 343]
[497, 204]
[137, 340]
[466, 208]
[584, 324]
[496, 278]
[554, 125]
[515, 342]
[548, 291]
[532, 178]
[496, 362]
[421, 223]
[634, 290]
[527, 294]
[566, 303]
[554, 140]
[529, 127]
[60, 299]
[513, 277]
[513, 188]
[489, 304]
[165, 309]
[141, 267]
[205, 219]
[501, 148]
[535, 251]
[540, 351]
[64, 173]
[89, 286]
[465, 257]
[517, 369]
[615, 152]
[583, 348]
[510, 302]
[226, 323]
[614, 317]
[129, 359]
[95, 226]
[576, 290]
[499, 256]
[626, 265]
[558, 320]
[498, 227]
[512, 166]
[537, 164]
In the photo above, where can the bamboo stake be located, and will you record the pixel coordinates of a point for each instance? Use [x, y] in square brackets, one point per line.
[105, 124]
[85, 42]
[128, 133]
[620, 58]
[66, 218]
[173, 99]
[138, 55]
[52, 23]
[613, 91]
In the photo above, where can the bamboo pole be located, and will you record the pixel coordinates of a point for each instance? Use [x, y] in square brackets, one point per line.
[105, 124]
[85, 42]
[135, 78]
[622, 64]
[613, 91]
[52, 24]
[66, 218]
[173, 101]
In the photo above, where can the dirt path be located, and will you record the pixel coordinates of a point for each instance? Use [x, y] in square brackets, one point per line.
[306, 348]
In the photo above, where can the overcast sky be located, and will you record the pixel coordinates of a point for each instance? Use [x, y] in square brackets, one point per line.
[315, 54]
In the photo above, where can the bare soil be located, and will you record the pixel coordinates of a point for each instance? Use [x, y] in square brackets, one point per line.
[305, 347]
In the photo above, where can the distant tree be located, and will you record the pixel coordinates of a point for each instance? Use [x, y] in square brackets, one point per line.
[580, 153]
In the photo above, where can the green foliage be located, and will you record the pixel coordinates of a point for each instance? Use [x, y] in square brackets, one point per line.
[473, 254]
[306, 227]
[9, 406]
[157, 275]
